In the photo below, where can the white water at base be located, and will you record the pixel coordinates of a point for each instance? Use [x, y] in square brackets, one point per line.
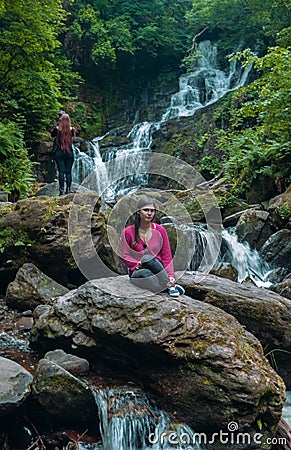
[130, 422]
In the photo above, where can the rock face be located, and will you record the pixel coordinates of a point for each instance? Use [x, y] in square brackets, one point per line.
[253, 227]
[14, 385]
[197, 361]
[277, 249]
[31, 287]
[264, 313]
[36, 230]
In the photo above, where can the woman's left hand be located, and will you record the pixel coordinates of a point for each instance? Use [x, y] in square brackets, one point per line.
[172, 281]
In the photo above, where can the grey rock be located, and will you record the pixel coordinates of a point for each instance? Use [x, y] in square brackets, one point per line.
[277, 249]
[71, 363]
[15, 384]
[264, 313]
[225, 270]
[253, 227]
[186, 352]
[62, 395]
[31, 287]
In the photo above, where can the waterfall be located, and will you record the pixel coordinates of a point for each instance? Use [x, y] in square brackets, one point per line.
[129, 422]
[239, 255]
[247, 261]
[126, 167]
[204, 85]
[91, 169]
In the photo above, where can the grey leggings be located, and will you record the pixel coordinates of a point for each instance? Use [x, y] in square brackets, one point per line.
[151, 276]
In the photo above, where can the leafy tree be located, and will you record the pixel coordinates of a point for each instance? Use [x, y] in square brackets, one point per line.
[248, 23]
[30, 81]
[264, 148]
[125, 36]
[16, 168]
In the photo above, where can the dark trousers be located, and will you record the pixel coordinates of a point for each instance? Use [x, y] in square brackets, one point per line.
[151, 276]
[65, 163]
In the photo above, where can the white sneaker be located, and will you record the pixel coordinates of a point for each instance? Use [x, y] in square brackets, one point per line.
[180, 289]
[173, 292]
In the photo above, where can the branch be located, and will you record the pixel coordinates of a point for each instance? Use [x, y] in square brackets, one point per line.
[194, 44]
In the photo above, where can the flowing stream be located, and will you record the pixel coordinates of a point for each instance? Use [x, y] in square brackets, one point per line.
[129, 422]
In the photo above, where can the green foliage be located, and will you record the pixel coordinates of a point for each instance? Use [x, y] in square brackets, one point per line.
[13, 244]
[16, 175]
[285, 212]
[123, 34]
[264, 147]
[237, 22]
[209, 166]
[31, 80]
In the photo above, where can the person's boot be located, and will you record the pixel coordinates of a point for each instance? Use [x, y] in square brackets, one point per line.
[68, 184]
[61, 184]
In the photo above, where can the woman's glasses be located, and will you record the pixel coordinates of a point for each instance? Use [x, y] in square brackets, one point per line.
[145, 246]
[147, 210]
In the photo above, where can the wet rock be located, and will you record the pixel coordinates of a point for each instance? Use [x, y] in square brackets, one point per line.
[264, 313]
[52, 189]
[186, 352]
[62, 395]
[15, 384]
[277, 249]
[279, 209]
[225, 270]
[283, 288]
[31, 287]
[71, 363]
[254, 228]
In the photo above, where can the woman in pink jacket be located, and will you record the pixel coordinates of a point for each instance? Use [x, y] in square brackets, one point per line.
[146, 251]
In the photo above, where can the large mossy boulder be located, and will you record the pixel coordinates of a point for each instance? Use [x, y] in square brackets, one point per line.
[264, 313]
[36, 230]
[63, 396]
[195, 359]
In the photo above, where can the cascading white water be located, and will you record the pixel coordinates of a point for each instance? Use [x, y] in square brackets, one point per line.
[205, 85]
[129, 422]
[128, 159]
[90, 168]
[239, 255]
[247, 261]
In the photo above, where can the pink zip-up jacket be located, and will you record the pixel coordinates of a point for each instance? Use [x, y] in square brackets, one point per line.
[158, 245]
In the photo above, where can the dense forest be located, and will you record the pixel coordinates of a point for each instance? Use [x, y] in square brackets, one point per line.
[58, 54]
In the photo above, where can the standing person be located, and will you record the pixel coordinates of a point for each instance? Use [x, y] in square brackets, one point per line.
[64, 154]
[146, 251]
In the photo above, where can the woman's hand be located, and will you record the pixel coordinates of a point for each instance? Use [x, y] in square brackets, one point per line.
[138, 266]
[172, 281]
